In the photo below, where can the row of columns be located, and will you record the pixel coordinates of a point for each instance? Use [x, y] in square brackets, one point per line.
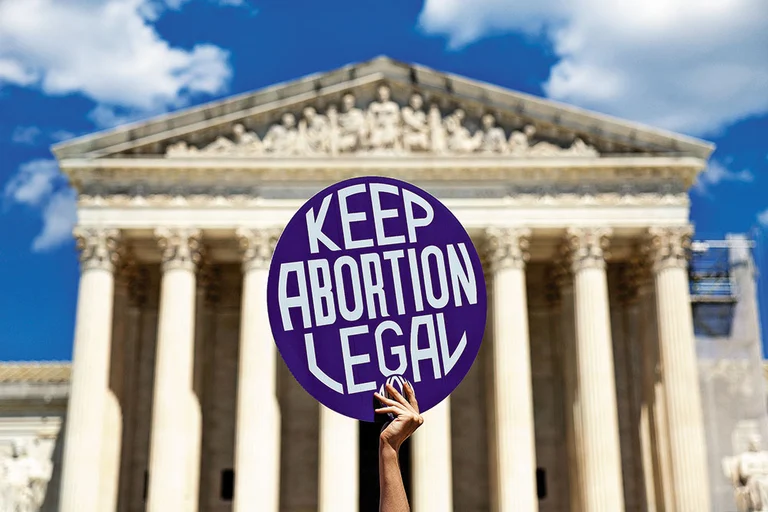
[176, 419]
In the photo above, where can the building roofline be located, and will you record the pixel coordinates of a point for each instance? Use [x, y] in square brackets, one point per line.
[395, 71]
[35, 371]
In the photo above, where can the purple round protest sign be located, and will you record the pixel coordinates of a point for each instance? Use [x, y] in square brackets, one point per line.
[373, 278]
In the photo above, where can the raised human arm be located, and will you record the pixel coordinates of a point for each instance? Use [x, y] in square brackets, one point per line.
[407, 420]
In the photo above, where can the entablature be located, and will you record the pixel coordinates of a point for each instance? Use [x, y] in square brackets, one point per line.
[109, 176]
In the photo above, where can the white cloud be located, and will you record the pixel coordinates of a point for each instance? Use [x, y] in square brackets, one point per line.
[107, 50]
[60, 135]
[33, 183]
[716, 173]
[26, 134]
[762, 217]
[689, 65]
[40, 185]
[59, 217]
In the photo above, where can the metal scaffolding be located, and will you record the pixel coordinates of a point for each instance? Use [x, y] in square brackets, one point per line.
[714, 292]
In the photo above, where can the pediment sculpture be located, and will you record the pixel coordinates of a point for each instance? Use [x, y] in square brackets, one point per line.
[24, 477]
[748, 473]
[383, 128]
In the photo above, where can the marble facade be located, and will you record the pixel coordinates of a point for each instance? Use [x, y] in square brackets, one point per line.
[179, 402]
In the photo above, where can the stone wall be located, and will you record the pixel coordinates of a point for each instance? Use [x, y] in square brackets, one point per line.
[733, 387]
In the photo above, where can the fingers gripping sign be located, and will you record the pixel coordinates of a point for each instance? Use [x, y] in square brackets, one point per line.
[404, 411]
[373, 280]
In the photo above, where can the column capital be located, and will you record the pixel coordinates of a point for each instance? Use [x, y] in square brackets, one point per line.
[99, 248]
[257, 246]
[586, 247]
[667, 247]
[181, 247]
[507, 247]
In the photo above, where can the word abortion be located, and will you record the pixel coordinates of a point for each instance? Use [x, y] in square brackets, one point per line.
[365, 290]
[384, 298]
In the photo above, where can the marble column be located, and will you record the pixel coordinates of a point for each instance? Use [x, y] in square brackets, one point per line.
[83, 442]
[175, 431]
[431, 462]
[514, 456]
[687, 443]
[601, 480]
[114, 410]
[572, 414]
[257, 449]
[338, 463]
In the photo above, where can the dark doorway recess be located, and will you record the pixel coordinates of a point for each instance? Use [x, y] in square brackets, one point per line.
[541, 483]
[369, 466]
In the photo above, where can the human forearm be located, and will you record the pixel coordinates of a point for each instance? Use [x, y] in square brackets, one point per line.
[393, 498]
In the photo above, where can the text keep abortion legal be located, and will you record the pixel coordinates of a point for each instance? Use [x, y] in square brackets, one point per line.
[387, 286]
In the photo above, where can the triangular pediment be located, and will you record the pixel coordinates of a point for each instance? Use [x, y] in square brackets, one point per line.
[381, 107]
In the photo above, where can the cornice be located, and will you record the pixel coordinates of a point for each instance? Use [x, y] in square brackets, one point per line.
[470, 168]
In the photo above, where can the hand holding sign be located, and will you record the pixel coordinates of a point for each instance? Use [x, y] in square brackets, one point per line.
[374, 278]
[406, 415]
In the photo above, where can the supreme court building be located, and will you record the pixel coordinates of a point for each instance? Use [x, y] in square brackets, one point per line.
[584, 398]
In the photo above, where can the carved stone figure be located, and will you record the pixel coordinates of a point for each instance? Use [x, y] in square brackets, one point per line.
[180, 148]
[282, 138]
[542, 148]
[520, 141]
[581, 148]
[352, 126]
[220, 145]
[748, 473]
[383, 128]
[493, 140]
[23, 479]
[415, 125]
[315, 131]
[384, 121]
[437, 132]
[459, 138]
[247, 143]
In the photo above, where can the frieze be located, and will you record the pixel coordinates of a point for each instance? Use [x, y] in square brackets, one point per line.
[107, 180]
[384, 127]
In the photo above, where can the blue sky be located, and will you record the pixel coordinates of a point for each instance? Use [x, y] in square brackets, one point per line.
[74, 67]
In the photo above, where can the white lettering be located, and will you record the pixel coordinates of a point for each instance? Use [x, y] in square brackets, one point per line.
[373, 284]
[415, 280]
[322, 295]
[423, 354]
[449, 360]
[350, 360]
[309, 345]
[398, 350]
[356, 312]
[380, 214]
[435, 301]
[409, 199]
[315, 228]
[460, 276]
[299, 301]
[394, 257]
[348, 218]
